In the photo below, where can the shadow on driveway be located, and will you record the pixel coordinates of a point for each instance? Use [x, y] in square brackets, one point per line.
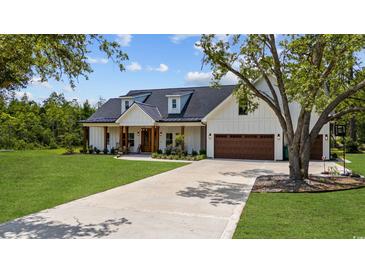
[250, 173]
[218, 192]
[38, 227]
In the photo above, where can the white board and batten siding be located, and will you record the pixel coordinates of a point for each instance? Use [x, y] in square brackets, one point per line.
[226, 120]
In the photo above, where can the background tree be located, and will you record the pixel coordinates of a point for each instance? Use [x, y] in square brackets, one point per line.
[311, 70]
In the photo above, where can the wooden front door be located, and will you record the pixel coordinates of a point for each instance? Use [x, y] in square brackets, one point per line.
[146, 144]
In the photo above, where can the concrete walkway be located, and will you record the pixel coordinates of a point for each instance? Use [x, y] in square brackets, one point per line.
[200, 200]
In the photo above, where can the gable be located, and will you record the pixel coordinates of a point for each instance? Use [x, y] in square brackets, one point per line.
[135, 116]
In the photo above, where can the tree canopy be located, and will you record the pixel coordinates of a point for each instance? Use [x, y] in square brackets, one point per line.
[50, 56]
[322, 73]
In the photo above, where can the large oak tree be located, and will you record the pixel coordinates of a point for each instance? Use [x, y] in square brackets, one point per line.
[323, 73]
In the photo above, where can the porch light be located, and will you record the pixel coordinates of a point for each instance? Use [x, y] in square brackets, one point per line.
[210, 135]
[278, 137]
[160, 133]
[137, 132]
[326, 137]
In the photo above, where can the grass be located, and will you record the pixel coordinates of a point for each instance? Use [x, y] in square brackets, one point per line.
[306, 215]
[31, 181]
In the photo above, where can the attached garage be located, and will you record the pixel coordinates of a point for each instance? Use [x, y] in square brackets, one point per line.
[244, 146]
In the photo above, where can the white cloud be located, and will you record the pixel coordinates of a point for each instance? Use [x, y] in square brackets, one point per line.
[97, 60]
[19, 95]
[124, 39]
[177, 38]
[134, 66]
[36, 81]
[67, 88]
[197, 78]
[160, 68]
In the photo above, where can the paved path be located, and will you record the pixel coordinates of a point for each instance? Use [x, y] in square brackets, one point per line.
[200, 200]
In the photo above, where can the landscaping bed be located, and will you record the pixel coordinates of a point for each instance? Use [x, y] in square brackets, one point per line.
[282, 183]
[186, 157]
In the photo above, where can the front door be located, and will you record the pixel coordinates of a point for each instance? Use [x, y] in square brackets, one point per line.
[146, 140]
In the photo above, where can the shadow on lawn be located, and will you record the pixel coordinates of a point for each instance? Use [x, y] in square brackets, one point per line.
[249, 173]
[218, 192]
[38, 227]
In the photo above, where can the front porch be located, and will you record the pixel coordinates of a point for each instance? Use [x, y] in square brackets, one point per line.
[145, 139]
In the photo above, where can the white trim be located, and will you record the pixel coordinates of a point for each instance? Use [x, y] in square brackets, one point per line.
[177, 124]
[100, 124]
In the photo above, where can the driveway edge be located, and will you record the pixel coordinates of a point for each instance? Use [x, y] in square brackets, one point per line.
[235, 217]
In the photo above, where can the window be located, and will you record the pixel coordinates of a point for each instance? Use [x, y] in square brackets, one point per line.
[168, 139]
[126, 104]
[108, 139]
[131, 139]
[242, 108]
[173, 103]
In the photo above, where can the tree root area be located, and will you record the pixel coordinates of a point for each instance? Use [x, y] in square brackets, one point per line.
[282, 183]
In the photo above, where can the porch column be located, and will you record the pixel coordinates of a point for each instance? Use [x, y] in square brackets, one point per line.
[157, 138]
[126, 137]
[182, 133]
[85, 141]
[121, 137]
[105, 134]
[153, 139]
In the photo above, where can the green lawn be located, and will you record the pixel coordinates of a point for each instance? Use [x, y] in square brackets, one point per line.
[306, 215]
[34, 180]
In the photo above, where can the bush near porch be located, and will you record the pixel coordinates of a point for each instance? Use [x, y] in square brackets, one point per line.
[176, 154]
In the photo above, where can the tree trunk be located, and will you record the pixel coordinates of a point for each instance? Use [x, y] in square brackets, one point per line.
[353, 134]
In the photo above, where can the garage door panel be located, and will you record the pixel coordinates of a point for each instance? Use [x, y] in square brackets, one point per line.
[239, 146]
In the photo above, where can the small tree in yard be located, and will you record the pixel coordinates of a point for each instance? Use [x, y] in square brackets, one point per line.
[69, 142]
[322, 73]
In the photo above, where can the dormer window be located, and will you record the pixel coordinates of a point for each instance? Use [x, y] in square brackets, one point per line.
[126, 105]
[173, 103]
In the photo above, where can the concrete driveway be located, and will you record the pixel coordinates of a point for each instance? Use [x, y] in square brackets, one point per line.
[201, 200]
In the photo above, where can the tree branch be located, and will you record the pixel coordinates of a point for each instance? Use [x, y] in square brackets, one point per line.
[344, 112]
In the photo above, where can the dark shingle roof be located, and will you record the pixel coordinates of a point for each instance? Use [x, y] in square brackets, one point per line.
[152, 111]
[107, 113]
[201, 101]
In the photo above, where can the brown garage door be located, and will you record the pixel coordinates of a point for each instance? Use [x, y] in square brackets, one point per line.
[317, 149]
[240, 146]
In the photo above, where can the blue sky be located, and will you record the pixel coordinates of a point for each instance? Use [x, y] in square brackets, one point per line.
[155, 61]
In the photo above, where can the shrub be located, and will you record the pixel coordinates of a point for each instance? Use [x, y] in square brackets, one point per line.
[200, 157]
[91, 149]
[53, 144]
[154, 155]
[112, 151]
[352, 146]
[194, 153]
[69, 141]
[202, 152]
[168, 150]
[334, 156]
[159, 151]
[105, 151]
[97, 150]
[179, 140]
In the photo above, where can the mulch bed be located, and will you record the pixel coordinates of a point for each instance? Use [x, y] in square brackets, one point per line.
[282, 183]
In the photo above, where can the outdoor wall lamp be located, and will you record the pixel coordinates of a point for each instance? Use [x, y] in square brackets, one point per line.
[160, 133]
[138, 133]
[326, 137]
[278, 137]
[210, 135]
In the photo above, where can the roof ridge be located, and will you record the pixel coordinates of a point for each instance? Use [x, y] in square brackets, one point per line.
[145, 104]
[207, 86]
